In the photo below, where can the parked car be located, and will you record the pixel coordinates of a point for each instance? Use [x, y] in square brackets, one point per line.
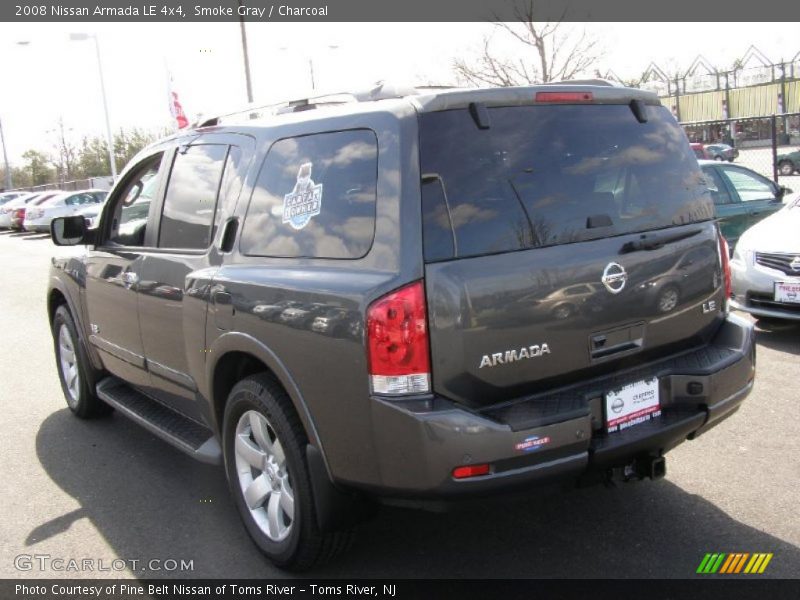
[720, 152]
[422, 219]
[12, 204]
[90, 213]
[741, 197]
[766, 266]
[789, 162]
[38, 218]
[699, 150]
[7, 196]
[16, 215]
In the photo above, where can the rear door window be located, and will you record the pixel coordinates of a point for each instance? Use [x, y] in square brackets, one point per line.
[191, 198]
[555, 174]
[315, 197]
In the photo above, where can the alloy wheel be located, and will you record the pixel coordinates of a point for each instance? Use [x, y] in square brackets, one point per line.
[264, 476]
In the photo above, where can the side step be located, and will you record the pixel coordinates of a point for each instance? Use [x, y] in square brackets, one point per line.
[183, 433]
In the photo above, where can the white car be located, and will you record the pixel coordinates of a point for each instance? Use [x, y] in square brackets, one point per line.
[7, 196]
[7, 209]
[766, 266]
[65, 204]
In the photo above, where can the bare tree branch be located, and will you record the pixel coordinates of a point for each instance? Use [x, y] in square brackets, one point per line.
[551, 51]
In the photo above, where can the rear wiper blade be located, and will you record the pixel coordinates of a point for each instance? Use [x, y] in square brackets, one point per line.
[655, 241]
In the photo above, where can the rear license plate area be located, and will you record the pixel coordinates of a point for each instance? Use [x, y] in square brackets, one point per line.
[632, 404]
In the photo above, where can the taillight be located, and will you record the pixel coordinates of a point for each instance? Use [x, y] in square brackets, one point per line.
[564, 97]
[724, 252]
[397, 342]
[19, 213]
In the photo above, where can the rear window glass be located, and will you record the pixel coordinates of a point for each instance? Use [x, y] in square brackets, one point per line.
[546, 175]
[315, 197]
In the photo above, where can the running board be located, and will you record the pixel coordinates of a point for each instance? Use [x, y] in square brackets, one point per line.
[189, 436]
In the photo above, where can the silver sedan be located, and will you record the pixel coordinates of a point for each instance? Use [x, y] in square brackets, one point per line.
[766, 266]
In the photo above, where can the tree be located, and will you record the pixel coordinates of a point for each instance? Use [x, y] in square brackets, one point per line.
[65, 153]
[128, 143]
[550, 51]
[38, 167]
[93, 158]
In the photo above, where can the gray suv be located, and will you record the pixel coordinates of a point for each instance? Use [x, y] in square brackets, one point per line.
[407, 295]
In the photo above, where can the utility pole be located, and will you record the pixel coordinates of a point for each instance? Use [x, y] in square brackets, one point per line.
[9, 183]
[246, 56]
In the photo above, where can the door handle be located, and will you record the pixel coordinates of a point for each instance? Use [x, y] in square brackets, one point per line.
[130, 278]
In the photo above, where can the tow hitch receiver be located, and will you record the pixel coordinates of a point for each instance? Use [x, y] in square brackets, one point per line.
[652, 467]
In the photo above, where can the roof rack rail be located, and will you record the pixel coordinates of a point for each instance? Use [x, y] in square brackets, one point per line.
[283, 106]
[381, 90]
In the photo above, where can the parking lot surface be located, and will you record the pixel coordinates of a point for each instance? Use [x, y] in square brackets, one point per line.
[107, 490]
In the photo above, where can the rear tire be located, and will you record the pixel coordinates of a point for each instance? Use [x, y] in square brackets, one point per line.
[786, 167]
[265, 462]
[75, 371]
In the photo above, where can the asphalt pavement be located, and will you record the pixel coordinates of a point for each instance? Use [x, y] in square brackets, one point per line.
[110, 492]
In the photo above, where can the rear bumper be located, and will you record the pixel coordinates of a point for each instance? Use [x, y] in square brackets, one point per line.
[420, 442]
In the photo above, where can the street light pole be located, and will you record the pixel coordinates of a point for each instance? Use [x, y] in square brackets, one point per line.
[9, 183]
[248, 82]
[311, 63]
[109, 137]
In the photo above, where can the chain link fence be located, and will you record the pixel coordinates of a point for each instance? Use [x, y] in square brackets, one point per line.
[768, 145]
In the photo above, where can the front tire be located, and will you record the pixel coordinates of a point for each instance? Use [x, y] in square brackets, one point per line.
[786, 168]
[75, 372]
[265, 462]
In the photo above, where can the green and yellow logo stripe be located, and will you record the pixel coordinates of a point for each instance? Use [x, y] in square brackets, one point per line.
[734, 563]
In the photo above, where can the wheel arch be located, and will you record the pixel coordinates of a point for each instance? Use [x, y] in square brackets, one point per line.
[56, 298]
[234, 356]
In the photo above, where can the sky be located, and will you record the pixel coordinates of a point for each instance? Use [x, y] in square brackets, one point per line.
[51, 77]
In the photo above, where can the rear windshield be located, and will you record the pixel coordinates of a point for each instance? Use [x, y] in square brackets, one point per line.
[547, 175]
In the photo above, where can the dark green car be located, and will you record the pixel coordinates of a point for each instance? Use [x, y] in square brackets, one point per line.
[789, 163]
[741, 197]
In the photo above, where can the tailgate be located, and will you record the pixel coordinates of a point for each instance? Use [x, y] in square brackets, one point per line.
[507, 325]
[561, 242]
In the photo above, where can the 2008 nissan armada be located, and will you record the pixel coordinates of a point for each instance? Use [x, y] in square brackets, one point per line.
[406, 294]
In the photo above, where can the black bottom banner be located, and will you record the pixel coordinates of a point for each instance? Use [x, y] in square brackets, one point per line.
[462, 589]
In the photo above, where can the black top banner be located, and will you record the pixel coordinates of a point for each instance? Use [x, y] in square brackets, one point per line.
[398, 10]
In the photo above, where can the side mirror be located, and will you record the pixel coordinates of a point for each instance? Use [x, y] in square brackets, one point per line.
[70, 231]
[781, 191]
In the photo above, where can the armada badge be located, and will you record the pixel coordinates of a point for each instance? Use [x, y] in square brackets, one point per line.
[509, 356]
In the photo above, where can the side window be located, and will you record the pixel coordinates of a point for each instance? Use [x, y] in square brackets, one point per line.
[72, 201]
[750, 186]
[130, 211]
[191, 198]
[315, 197]
[717, 187]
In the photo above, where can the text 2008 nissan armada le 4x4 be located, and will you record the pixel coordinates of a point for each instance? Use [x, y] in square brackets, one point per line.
[417, 295]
